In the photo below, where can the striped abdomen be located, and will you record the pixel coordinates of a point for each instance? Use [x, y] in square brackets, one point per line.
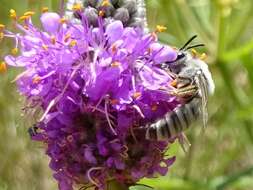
[174, 122]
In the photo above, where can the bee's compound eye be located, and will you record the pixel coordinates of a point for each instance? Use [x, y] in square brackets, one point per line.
[181, 55]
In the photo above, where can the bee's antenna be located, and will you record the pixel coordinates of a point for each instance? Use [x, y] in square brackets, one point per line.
[189, 41]
[193, 46]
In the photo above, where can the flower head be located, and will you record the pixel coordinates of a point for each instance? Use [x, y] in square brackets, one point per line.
[95, 86]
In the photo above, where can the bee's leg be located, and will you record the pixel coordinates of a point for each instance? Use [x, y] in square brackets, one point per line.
[187, 91]
[184, 142]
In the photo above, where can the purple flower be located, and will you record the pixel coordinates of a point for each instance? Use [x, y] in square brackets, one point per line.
[95, 87]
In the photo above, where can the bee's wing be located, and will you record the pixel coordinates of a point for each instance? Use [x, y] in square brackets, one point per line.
[202, 84]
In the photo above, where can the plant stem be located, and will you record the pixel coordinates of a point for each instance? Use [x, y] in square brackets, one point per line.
[114, 185]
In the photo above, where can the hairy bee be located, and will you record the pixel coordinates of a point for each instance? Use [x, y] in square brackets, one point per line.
[193, 82]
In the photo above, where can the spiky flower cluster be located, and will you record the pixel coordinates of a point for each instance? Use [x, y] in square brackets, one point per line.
[95, 86]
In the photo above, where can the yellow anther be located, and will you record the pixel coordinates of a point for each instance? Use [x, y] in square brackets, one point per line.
[53, 39]
[160, 28]
[29, 13]
[25, 27]
[3, 67]
[194, 53]
[105, 3]
[203, 56]
[67, 37]
[63, 20]
[1, 35]
[77, 7]
[36, 80]
[101, 13]
[45, 47]
[73, 43]
[2, 27]
[115, 64]
[22, 18]
[114, 48]
[136, 95]
[44, 9]
[14, 51]
[13, 14]
[173, 83]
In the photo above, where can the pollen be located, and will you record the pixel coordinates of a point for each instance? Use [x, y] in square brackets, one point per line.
[23, 18]
[1, 36]
[13, 14]
[137, 95]
[101, 13]
[63, 20]
[67, 37]
[2, 27]
[203, 56]
[44, 9]
[26, 27]
[14, 51]
[36, 80]
[70, 138]
[73, 43]
[105, 3]
[29, 13]
[115, 64]
[45, 47]
[173, 83]
[160, 28]
[3, 67]
[194, 53]
[53, 39]
[77, 7]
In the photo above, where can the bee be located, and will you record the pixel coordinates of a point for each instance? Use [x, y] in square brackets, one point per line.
[193, 83]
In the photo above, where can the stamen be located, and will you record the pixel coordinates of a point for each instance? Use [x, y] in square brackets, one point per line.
[25, 27]
[105, 3]
[115, 64]
[53, 39]
[67, 37]
[154, 35]
[36, 80]
[203, 56]
[29, 13]
[45, 47]
[23, 18]
[14, 51]
[194, 53]
[90, 177]
[44, 9]
[2, 27]
[137, 95]
[77, 7]
[73, 43]
[63, 20]
[13, 14]
[1, 36]
[114, 48]
[173, 83]
[101, 13]
[160, 28]
[3, 67]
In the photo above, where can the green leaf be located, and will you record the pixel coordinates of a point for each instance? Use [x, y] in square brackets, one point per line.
[140, 187]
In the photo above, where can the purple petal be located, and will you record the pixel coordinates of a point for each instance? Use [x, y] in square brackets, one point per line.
[50, 21]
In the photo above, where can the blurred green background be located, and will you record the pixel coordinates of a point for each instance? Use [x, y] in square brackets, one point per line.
[219, 159]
